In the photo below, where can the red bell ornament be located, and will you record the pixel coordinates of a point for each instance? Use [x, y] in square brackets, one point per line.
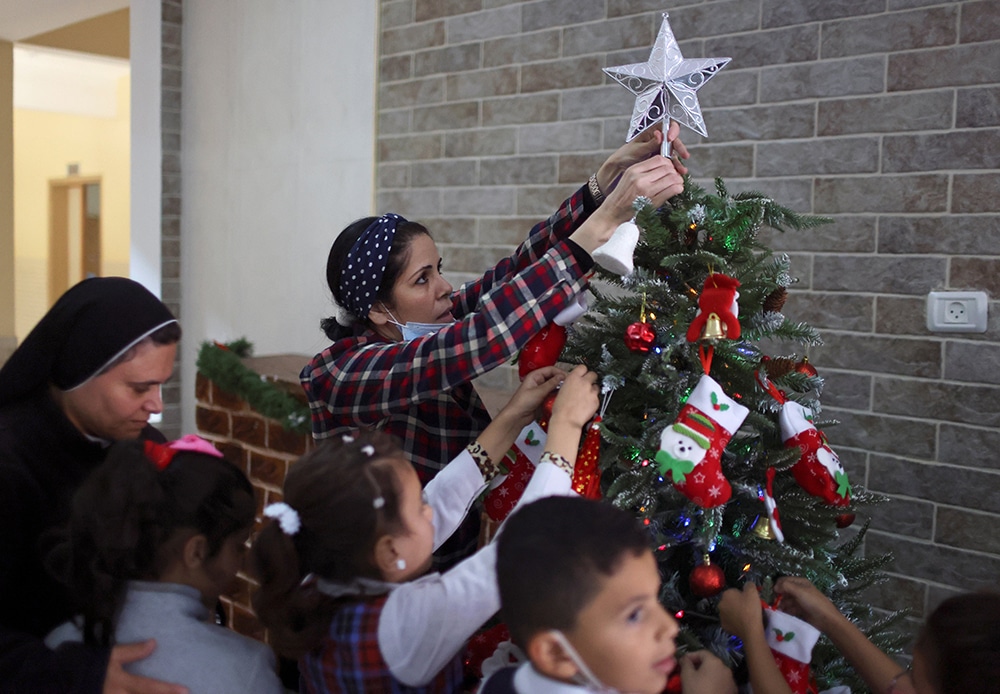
[543, 349]
[707, 579]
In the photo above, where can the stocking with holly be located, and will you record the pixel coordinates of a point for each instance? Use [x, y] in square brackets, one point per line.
[791, 641]
[691, 448]
[543, 349]
[818, 470]
[520, 462]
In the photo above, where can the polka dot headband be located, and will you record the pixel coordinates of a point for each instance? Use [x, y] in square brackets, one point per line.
[364, 266]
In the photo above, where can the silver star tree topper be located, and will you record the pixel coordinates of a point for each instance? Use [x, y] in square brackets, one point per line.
[665, 86]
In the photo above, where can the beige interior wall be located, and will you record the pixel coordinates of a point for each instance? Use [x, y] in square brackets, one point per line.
[44, 144]
[7, 310]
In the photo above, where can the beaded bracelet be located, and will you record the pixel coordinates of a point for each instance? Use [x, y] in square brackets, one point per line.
[487, 468]
[595, 189]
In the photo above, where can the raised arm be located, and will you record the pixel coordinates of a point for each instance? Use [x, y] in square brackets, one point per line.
[573, 212]
[426, 623]
[369, 382]
[741, 615]
[802, 599]
[452, 492]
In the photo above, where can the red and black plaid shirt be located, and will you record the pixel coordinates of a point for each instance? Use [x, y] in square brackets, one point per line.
[350, 661]
[420, 391]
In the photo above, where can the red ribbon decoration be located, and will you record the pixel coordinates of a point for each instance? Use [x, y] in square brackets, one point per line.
[769, 387]
[159, 454]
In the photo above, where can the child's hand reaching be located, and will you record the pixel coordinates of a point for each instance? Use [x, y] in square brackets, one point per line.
[802, 599]
[497, 438]
[703, 673]
[578, 400]
[742, 614]
[741, 611]
[574, 407]
[531, 393]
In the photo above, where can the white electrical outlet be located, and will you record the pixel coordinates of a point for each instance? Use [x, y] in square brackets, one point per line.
[956, 312]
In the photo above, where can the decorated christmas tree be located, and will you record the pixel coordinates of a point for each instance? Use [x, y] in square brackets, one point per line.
[711, 432]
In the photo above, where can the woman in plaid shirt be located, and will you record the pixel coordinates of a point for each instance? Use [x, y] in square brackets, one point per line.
[384, 274]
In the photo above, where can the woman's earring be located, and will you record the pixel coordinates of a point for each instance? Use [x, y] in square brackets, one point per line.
[401, 564]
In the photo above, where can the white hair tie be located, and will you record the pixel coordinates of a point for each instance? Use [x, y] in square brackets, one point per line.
[287, 517]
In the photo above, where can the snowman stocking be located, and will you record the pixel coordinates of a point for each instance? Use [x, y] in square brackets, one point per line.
[791, 641]
[818, 471]
[691, 448]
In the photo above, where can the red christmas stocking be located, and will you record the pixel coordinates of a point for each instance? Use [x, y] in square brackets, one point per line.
[691, 448]
[586, 472]
[818, 470]
[520, 461]
[791, 641]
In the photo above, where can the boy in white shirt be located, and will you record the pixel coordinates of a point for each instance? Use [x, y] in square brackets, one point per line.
[579, 590]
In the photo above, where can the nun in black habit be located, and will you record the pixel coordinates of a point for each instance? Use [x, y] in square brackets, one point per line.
[87, 375]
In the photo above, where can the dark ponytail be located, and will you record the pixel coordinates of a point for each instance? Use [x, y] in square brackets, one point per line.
[125, 515]
[960, 644]
[333, 490]
[342, 245]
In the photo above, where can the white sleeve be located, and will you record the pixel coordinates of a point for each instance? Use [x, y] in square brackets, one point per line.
[451, 494]
[425, 623]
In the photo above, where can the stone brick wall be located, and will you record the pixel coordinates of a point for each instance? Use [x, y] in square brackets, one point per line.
[263, 450]
[883, 114]
[170, 225]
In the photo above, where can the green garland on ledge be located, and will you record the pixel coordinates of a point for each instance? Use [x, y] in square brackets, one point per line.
[222, 364]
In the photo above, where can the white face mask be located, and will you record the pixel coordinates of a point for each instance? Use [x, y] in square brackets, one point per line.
[584, 677]
[412, 331]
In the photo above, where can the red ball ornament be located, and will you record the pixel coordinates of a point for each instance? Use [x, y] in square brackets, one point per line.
[707, 580]
[844, 520]
[639, 337]
[804, 367]
[673, 683]
[543, 349]
[546, 413]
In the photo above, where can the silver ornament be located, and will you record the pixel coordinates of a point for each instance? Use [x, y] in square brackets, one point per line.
[665, 86]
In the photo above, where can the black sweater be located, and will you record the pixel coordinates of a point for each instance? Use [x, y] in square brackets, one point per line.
[43, 460]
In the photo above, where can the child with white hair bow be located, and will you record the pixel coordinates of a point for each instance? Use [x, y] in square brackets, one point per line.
[343, 570]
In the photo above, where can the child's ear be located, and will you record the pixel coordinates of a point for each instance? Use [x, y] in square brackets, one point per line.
[385, 557]
[549, 657]
[195, 551]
